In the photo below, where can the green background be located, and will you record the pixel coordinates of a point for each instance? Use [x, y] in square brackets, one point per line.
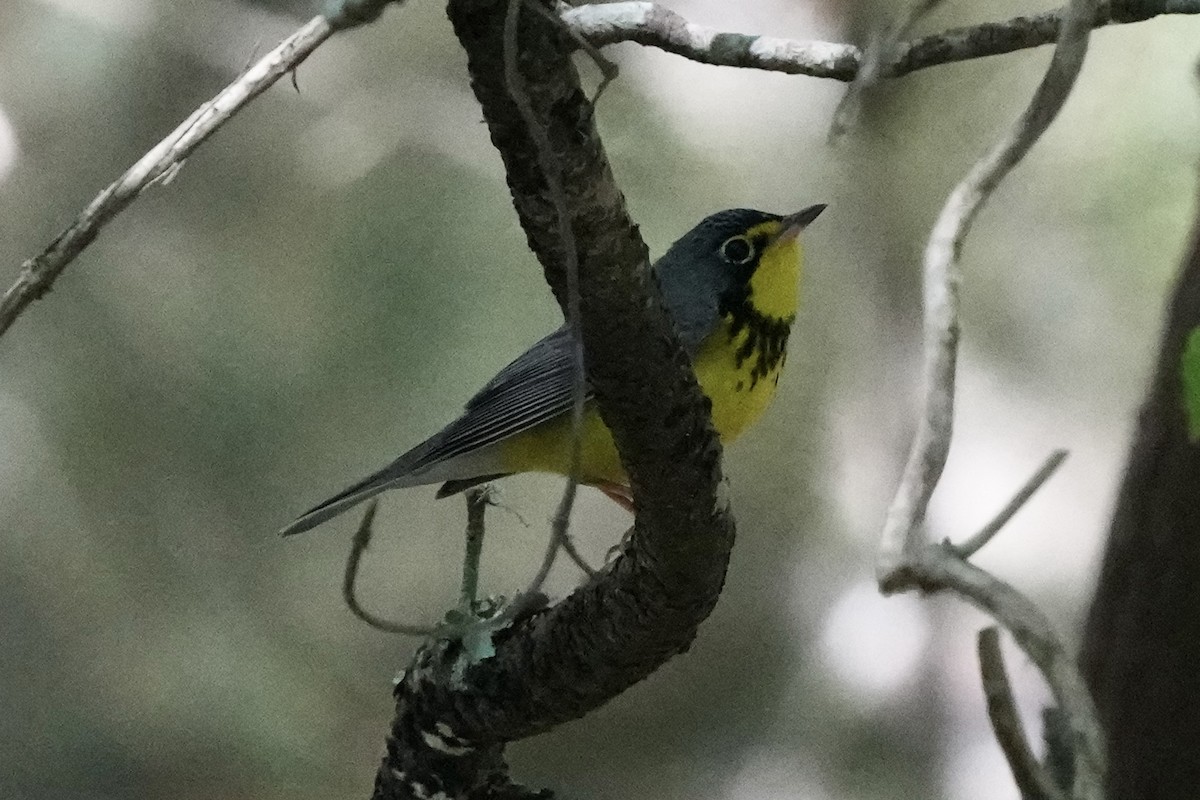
[329, 278]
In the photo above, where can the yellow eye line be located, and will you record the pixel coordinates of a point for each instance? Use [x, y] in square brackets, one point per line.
[766, 229]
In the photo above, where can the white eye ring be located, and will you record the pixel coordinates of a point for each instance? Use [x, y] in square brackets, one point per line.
[731, 251]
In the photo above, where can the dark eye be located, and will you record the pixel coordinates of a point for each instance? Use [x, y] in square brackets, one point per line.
[737, 249]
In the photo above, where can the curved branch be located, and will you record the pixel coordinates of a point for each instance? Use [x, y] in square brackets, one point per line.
[906, 559]
[654, 25]
[453, 716]
[902, 536]
[1033, 780]
[609, 23]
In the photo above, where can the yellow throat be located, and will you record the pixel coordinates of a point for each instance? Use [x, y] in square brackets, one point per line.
[737, 366]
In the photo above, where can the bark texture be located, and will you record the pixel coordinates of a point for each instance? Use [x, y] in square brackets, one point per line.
[1141, 653]
[454, 717]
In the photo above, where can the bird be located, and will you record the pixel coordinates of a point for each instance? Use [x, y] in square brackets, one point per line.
[731, 288]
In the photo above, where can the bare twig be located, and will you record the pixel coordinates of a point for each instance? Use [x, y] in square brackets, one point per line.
[654, 25]
[164, 160]
[568, 545]
[552, 173]
[38, 273]
[478, 499]
[906, 559]
[902, 530]
[608, 68]
[601, 24]
[937, 568]
[871, 69]
[362, 539]
[977, 542]
[1032, 779]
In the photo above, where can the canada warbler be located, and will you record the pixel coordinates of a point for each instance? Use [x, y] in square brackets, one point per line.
[730, 285]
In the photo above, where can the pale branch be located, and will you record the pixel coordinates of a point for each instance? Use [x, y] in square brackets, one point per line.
[871, 69]
[907, 560]
[600, 24]
[1033, 780]
[903, 535]
[938, 568]
[985, 534]
[654, 25]
[163, 161]
[358, 546]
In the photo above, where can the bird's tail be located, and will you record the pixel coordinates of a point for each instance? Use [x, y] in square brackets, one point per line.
[417, 467]
[364, 490]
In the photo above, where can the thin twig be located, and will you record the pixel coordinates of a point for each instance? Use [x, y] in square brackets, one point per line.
[608, 68]
[478, 499]
[601, 24]
[871, 69]
[906, 559]
[39, 273]
[552, 172]
[568, 545]
[362, 539]
[653, 25]
[937, 569]
[1032, 779]
[163, 161]
[902, 530]
[976, 543]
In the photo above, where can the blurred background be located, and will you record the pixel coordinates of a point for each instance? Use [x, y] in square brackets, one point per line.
[327, 281]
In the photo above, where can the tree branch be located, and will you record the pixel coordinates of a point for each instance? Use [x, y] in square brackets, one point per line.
[654, 25]
[601, 24]
[985, 534]
[1032, 779]
[903, 536]
[1141, 651]
[163, 161]
[906, 559]
[453, 717]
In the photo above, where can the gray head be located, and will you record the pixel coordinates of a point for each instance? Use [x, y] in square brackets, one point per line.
[710, 267]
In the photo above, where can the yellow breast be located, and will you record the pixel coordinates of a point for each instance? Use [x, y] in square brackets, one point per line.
[737, 367]
[739, 372]
[740, 380]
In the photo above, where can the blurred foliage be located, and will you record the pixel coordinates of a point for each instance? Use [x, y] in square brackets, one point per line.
[1190, 373]
[328, 279]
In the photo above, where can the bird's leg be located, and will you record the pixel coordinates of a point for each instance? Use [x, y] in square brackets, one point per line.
[622, 496]
[618, 493]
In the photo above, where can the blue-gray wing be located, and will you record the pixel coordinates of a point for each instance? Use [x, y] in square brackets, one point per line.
[537, 386]
[531, 390]
[534, 388]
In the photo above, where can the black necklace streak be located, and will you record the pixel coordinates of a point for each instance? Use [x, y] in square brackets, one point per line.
[766, 337]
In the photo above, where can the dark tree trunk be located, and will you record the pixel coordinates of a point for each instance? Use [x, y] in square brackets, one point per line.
[1141, 653]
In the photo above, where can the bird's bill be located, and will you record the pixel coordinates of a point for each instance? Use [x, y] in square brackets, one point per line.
[792, 224]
